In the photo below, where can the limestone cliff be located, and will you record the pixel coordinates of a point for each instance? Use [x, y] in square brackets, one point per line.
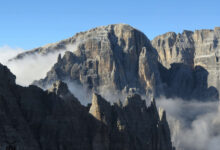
[175, 48]
[116, 57]
[198, 53]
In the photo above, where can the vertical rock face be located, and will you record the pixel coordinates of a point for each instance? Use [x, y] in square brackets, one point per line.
[199, 52]
[33, 119]
[207, 53]
[116, 57]
[7, 78]
[175, 48]
[149, 74]
[133, 124]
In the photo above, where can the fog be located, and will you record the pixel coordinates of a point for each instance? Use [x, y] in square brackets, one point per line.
[79, 91]
[35, 67]
[194, 125]
[7, 52]
[32, 67]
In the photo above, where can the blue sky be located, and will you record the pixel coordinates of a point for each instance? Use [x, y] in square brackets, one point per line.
[28, 24]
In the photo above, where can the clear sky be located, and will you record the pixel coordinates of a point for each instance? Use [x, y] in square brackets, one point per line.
[31, 23]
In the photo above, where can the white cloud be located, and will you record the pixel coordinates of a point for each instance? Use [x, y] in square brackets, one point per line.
[31, 67]
[194, 125]
[7, 52]
[79, 91]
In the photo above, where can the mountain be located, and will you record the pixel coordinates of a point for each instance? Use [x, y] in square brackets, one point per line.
[193, 59]
[115, 57]
[121, 59]
[33, 119]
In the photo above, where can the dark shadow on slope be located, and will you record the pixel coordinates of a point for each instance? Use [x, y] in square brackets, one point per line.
[187, 83]
[55, 120]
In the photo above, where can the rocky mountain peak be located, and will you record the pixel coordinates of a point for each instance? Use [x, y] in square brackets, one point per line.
[109, 57]
[162, 114]
[190, 57]
[153, 102]
[100, 109]
[61, 89]
[134, 100]
[123, 32]
[59, 58]
[133, 120]
[6, 76]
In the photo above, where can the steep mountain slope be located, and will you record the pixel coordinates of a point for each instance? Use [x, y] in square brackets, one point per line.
[31, 118]
[199, 52]
[129, 118]
[191, 48]
[35, 119]
[120, 59]
[115, 57]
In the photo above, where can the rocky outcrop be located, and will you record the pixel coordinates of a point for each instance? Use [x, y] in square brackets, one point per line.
[116, 57]
[139, 126]
[187, 83]
[175, 48]
[207, 54]
[149, 74]
[61, 89]
[198, 53]
[33, 119]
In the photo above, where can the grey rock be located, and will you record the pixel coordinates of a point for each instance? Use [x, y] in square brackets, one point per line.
[139, 126]
[198, 53]
[112, 57]
[175, 48]
[149, 74]
[121, 59]
[33, 119]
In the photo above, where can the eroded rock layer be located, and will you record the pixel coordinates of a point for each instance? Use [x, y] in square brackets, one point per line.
[199, 52]
[116, 57]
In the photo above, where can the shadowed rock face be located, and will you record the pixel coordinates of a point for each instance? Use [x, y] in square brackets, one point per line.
[134, 122]
[33, 119]
[116, 57]
[181, 80]
[37, 119]
[61, 89]
[199, 49]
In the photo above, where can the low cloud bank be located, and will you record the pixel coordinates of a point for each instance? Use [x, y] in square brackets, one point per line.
[7, 52]
[194, 125]
[32, 67]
